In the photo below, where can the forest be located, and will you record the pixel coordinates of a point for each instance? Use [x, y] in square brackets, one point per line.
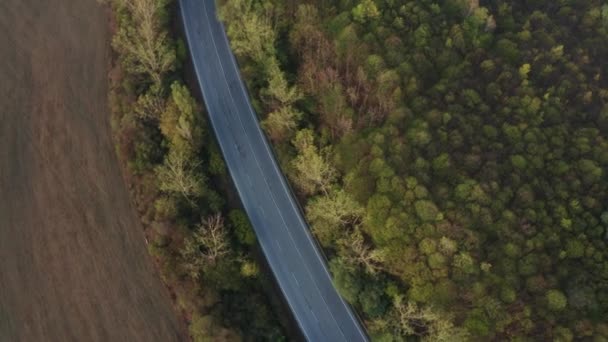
[201, 241]
[451, 156]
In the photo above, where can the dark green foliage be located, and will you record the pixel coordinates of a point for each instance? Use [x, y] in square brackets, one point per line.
[556, 300]
[473, 136]
[426, 210]
[345, 281]
[372, 301]
[242, 227]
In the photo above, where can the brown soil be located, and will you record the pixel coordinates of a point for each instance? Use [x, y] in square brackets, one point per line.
[73, 262]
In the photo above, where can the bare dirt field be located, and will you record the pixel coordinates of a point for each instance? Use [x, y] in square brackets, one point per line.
[73, 262]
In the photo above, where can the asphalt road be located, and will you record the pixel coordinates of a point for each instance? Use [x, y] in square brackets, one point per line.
[292, 254]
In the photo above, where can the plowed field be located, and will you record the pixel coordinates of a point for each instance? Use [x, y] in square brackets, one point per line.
[73, 261]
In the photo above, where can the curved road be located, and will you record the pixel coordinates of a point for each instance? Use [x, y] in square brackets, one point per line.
[283, 234]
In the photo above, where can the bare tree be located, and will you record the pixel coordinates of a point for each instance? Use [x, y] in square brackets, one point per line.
[213, 237]
[358, 252]
[179, 175]
[206, 246]
[430, 325]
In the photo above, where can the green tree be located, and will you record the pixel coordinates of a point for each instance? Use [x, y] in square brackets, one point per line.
[180, 122]
[410, 319]
[332, 215]
[251, 34]
[365, 10]
[242, 228]
[278, 89]
[145, 45]
[427, 211]
[312, 171]
[345, 281]
[556, 300]
[281, 123]
[372, 301]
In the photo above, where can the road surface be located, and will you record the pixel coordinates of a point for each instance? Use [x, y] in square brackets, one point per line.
[292, 254]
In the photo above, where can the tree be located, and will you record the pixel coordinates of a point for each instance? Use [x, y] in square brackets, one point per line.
[242, 227]
[332, 215]
[180, 122]
[590, 170]
[575, 248]
[427, 210]
[556, 300]
[373, 301]
[508, 50]
[150, 104]
[365, 10]
[206, 246]
[281, 123]
[206, 328]
[202, 328]
[146, 47]
[346, 282]
[180, 176]
[312, 171]
[519, 161]
[251, 34]
[356, 251]
[278, 89]
[409, 319]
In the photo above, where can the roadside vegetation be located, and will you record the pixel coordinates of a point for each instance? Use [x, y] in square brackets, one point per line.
[452, 156]
[177, 179]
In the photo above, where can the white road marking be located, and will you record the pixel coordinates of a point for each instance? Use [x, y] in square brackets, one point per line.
[314, 316]
[296, 279]
[310, 274]
[281, 179]
[286, 186]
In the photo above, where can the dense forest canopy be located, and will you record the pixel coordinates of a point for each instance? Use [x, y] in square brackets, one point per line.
[452, 156]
